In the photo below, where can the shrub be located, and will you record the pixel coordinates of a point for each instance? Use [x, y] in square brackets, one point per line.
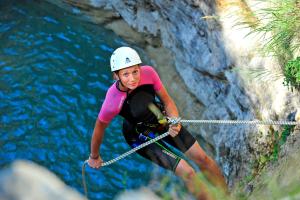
[292, 73]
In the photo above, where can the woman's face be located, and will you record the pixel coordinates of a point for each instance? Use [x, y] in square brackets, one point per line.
[130, 77]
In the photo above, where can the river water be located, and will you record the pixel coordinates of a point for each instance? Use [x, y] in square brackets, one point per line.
[54, 72]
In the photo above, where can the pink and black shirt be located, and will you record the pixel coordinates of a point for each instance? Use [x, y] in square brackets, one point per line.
[115, 98]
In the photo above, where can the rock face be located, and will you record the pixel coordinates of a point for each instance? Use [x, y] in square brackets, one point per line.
[209, 52]
[281, 180]
[26, 180]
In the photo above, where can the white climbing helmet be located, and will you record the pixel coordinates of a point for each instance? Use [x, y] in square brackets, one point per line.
[124, 57]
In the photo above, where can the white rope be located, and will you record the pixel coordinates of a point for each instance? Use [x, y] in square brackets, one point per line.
[135, 149]
[253, 122]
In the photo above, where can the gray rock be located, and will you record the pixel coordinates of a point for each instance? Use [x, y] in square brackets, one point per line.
[140, 194]
[24, 180]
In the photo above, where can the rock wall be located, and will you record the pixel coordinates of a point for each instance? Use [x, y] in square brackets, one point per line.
[198, 44]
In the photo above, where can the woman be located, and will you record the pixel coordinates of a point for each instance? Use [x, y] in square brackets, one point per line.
[133, 96]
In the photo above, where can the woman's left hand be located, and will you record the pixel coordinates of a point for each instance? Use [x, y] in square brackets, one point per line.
[174, 129]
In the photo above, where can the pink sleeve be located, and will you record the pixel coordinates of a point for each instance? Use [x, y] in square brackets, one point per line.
[150, 73]
[112, 104]
[106, 114]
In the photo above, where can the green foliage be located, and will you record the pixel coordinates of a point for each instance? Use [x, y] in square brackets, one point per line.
[280, 25]
[279, 28]
[276, 147]
[279, 140]
[124, 178]
[271, 153]
[171, 188]
[259, 74]
[292, 73]
[164, 183]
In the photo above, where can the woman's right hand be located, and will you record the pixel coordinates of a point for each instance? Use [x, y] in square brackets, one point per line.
[95, 162]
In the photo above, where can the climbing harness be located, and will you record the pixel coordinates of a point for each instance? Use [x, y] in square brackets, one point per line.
[173, 121]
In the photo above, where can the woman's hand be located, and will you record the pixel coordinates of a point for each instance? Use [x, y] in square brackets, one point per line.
[95, 162]
[174, 129]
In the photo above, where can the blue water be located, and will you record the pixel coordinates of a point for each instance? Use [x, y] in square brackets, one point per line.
[54, 72]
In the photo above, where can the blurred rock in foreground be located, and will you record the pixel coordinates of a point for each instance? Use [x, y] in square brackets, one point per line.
[24, 180]
[140, 194]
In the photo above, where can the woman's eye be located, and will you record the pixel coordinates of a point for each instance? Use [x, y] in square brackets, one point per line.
[126, 74]
[135, 72]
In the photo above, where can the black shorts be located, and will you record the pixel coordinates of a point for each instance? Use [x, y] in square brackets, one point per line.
[159, 152]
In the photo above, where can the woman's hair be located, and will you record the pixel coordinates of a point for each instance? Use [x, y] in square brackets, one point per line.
[115, 74]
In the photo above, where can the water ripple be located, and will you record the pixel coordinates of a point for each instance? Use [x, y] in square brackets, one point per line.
[53, 78]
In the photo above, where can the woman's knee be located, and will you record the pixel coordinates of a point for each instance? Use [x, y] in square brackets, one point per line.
[197, 154]
[204, 159]
[184, 170]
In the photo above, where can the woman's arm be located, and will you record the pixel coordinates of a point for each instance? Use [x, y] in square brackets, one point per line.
[170, 109]
[168, 102]
[95, 160]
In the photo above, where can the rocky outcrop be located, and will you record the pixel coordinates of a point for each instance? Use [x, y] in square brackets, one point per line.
[200, 39]
[141, 194]
[26, 180]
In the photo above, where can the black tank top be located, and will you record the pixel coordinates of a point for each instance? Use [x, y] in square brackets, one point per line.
[135, 107]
